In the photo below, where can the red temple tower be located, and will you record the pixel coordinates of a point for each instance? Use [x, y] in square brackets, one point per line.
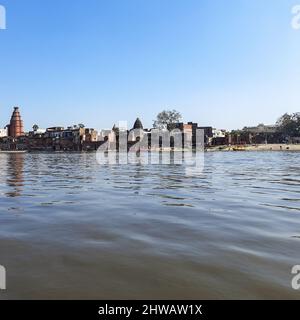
[15, 128]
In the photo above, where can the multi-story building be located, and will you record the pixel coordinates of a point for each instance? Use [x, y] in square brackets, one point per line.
[192, 127]
[75, 138]
[90, 135]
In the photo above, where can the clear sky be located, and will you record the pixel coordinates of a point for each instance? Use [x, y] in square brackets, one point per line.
[224, 63]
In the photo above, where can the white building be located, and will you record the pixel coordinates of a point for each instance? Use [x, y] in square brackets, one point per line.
[3, 133]
[39, 131]
[219, 133]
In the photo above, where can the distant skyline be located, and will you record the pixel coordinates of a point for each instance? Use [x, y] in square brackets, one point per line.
[226, 64]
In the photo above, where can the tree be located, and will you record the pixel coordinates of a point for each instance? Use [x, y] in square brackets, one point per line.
[81, 125]
[289, 125]
[167, 119]
[35, 127]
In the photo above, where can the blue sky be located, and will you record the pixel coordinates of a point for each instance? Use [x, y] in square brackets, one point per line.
[225, 63]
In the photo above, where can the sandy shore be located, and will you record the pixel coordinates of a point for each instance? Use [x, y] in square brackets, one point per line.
[258, 147]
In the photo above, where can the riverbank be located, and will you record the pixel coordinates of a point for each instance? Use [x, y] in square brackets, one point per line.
[257, 147]
[13, 151]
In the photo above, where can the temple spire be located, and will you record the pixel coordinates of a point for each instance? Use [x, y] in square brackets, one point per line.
[15, 128]
[138, 124]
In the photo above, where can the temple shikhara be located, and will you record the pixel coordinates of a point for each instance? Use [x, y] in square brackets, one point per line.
[15, 128]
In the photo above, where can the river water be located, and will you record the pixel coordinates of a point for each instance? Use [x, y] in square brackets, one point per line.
[72, 229]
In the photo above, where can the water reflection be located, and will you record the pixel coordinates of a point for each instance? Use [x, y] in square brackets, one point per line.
[15, 174]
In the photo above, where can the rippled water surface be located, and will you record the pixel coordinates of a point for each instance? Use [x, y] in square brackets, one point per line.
[70, 228]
